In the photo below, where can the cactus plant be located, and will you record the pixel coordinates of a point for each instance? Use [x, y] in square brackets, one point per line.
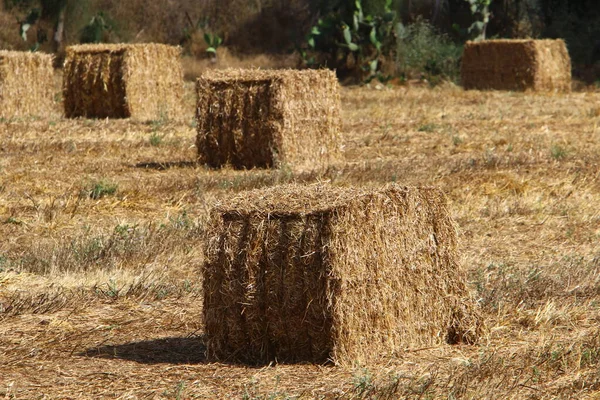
[481, 9]
[364, 40]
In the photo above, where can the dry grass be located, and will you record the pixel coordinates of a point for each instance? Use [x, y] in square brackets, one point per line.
[102, 297]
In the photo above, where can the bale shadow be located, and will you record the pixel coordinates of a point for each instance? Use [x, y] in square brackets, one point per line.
[161, 166]
[172, 350]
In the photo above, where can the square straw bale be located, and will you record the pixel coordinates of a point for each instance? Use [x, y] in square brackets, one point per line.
[268, 118]
[317, 273]
[26, 84]
[141, 81]
[538, 65]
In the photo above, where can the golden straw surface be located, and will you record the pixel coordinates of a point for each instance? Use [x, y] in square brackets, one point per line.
[142, 81]
[317, 273]
[268, 118]
[539, 65]
[26, 84]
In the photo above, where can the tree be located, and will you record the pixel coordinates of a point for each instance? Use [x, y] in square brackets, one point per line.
[56, 11]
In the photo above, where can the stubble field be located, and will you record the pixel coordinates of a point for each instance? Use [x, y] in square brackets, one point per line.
[102, 228]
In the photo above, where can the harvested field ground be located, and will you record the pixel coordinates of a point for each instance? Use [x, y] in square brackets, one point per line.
[102, 226]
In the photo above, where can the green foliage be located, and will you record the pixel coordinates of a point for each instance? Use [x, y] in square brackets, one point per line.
[424, 53]
[24, 25]
[155, 139]
[112, 290]
[353, 45]
[213, 41]
[427, 128]
[100, 189]
[192, 27]
[13, 221]
[481, 11]
[558, 152]
[94, 31]
[363, 383]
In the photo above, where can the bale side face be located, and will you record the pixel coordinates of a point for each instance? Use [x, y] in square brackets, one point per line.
[553, 67]
[94, 85]
[26, 84]
[311, 104]
[519, 65]
[317, 274]
[265, 290]
[142, 81]
[237, 123]
[263, 119]
[400, 283]
[154, 81]
[499, 65]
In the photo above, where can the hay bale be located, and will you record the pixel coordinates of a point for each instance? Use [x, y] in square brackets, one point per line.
[142, 81]
[319, 273]
[265, 119]
[26, 84]
[539, 65]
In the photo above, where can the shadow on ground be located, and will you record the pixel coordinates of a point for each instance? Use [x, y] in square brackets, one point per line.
[161, 166]
[173, 350]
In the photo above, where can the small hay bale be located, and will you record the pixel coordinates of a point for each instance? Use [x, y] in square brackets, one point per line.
[538, 65]
[26, 84]
[318, 274]
[141, 81]
[267, 119]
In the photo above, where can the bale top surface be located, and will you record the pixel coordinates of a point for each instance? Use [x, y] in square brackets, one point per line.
[24, 54]
[496, 41]
[505, 42]
[297, 199]
[112, 47]
[231, 74]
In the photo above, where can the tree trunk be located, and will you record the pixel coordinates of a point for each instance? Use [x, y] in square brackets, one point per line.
[59, 30]
[437, 8]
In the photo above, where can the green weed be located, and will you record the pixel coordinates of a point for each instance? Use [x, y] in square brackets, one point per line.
[558, 152]
[155, 139]
[100, 189]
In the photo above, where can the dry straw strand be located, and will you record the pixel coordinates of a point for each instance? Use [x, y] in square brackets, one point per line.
[268, 118]
[141, 81]
[525, 64]
[26, 84]
[317, 273]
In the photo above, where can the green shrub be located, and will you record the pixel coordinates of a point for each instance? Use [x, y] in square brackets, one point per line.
[95, 30]
[421, 52]
[354, 45]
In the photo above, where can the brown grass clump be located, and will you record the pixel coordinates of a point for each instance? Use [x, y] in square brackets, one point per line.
[142, 81]
[26, 84]
[263, 119]
[316, 273]
[539, 65]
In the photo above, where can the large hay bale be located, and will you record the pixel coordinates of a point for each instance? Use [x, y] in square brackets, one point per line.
[264, 119]
[26, 84]
[142, 81]
[539, 65]
[319, 273]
